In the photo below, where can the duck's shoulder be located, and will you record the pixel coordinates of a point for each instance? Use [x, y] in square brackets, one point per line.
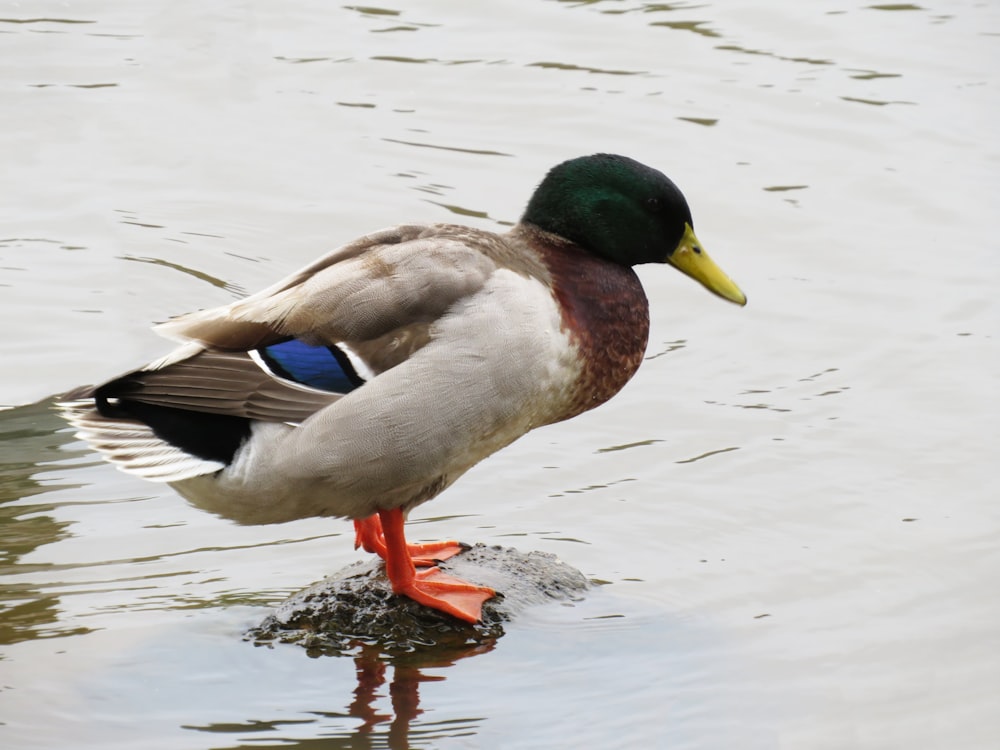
[517, 250]
[404, 253]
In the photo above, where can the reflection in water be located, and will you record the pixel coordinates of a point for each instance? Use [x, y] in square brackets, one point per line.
[873, 102]
[20, 243]
[459, 211]
[456, 149]
[404, 687]
[700, 456]
[698, 27]
[31, 447]
[704, 121]
[587, 69]
[666, 348]
[421, 60]
[626, 446]
[394, 725]
[213, 280]
[784, 396]
[766, 53]
[869, 75]
[783, 188]
[896, 6]
[44, 20]
[29, 615]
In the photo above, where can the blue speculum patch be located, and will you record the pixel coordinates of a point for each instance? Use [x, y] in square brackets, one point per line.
[323, 367]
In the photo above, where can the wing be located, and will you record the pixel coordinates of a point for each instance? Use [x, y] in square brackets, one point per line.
[298, 346]
[385, 285]
[225, 383]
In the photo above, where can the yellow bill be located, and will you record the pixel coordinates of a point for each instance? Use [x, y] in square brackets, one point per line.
[692, 260]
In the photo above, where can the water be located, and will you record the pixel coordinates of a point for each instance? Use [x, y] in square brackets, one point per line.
[793, 504]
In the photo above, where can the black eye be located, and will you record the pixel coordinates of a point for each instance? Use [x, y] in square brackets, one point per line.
[653, 204]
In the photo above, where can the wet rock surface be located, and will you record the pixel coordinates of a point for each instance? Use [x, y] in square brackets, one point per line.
[356, 606]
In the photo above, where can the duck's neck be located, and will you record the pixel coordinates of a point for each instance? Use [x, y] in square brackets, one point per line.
[605, 312]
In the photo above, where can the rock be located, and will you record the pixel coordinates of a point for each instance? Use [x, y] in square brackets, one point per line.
[356, 606]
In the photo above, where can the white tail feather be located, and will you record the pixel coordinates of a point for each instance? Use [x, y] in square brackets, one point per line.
[133, 447]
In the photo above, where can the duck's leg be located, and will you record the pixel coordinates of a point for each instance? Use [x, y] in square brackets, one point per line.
[430, 587]
[368, 535]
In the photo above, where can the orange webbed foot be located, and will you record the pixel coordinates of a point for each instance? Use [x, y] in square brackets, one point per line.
[443, 592]
[430, 553]
[429, 587]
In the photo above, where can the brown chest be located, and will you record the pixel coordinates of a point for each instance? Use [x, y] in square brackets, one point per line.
[606, 314]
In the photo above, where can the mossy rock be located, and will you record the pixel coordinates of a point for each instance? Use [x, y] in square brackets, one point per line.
[356, 606]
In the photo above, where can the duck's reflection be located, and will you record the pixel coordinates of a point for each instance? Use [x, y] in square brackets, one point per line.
[368, 721]
[374, 665]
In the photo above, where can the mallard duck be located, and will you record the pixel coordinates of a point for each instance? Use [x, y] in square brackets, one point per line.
[369, 381]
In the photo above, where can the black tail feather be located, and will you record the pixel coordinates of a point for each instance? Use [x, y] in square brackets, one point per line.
[213, 437]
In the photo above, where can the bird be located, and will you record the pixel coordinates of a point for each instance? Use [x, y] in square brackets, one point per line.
[369, 381]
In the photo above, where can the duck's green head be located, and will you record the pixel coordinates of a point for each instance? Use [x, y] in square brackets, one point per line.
[625, 212]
